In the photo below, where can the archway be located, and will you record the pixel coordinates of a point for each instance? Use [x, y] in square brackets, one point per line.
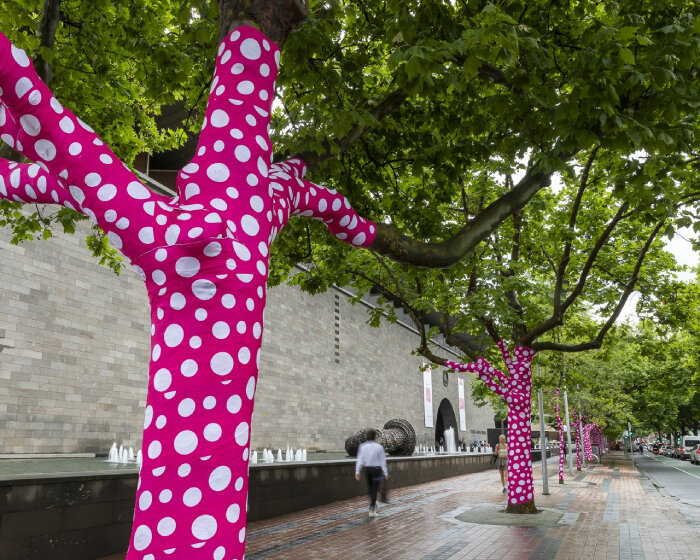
[445, 419]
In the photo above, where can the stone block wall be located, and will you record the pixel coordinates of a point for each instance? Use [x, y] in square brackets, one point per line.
[74, 348]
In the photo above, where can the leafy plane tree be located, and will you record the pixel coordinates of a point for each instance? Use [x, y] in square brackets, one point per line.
[204, 257]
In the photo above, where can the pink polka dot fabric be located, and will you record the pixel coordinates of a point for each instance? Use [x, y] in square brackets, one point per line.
[561, 435]
[204, 258]
[516, 389]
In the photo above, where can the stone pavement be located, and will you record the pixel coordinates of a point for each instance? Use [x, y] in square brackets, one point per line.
[605, 512]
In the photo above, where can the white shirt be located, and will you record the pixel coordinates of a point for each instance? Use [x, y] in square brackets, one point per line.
[371, 454]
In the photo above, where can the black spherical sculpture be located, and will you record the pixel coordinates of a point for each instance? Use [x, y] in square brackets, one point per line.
[398, 438]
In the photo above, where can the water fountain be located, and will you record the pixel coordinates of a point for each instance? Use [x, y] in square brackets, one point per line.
[450, 445]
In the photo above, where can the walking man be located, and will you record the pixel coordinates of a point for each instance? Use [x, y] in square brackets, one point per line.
[371, 456]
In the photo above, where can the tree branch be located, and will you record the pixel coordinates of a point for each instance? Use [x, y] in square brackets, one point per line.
[557, 316]
[444, 254]
[629, 288]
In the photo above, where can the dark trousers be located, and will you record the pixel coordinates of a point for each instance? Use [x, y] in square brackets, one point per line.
[374, 478]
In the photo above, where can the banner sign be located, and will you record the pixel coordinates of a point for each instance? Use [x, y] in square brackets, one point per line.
[462, 409]
[428, 397]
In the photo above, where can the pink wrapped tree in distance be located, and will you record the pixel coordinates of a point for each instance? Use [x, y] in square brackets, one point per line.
[515, 388]
[577, 427]
[587, 449]
[204, 258]
[561, 436]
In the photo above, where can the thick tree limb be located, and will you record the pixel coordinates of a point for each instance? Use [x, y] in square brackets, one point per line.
[444, 254]
[275, 18]
[50, 17]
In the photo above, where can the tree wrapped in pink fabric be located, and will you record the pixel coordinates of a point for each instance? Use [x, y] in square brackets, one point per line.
[561, 436]
[204, 258]
[515, 388]
[587, 448]
[577, 427]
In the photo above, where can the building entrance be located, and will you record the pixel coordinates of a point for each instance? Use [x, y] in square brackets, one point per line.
[445, 419]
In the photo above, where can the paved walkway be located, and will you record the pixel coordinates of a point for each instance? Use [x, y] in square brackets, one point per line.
[610, 512]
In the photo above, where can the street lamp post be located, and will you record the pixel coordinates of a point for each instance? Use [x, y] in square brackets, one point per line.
[543, 449]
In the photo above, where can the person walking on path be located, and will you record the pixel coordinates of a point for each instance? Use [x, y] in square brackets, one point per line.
[371, 456]
[501, 453]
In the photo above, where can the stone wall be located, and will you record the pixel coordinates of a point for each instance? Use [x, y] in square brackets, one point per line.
[74, 348]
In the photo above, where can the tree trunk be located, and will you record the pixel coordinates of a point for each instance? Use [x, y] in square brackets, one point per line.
[523, 507]
[204, 258]
[515, 388]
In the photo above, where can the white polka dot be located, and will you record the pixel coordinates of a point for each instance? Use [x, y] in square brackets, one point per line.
[45, 149]
[233, 404]
[195, 232]
[218, 172]
[188, 368]
[250, 49]
[241, 433]
[22, 86]
[185, 442]
[187, 266]
[221, 363]
[162, 380]
[204, 289]
[250, 388]
[209, 403]
[228, 301]
[219, 119]
[244, 355]
[237, 68]
[174, 335]
[30, 124]
[145, 500]
[159, 278]
[212, 432]
[142, 537]
[264, 70]
[233, 513]
[156, 352]
[166, 526]
[257, 330]
[177, 301]
[192, 497]
[161, 421]
[200, 314]
[145, 234]
[242, 153]
[250, 225]
[138, 191]
[245, 87]
[195, 342]
[257, 204]
[186, 407]
[220, 478]
[148, 418]
[213, 249]
[221, 330]
[106, 159]
[20, 56]
[241, 533]
[204, 527]
[154, 449]
[219, 553]
[250, 119]
[239, 484]
[184, 470]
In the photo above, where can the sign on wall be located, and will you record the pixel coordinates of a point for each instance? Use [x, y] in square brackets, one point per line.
[462, 407]
[428, 397]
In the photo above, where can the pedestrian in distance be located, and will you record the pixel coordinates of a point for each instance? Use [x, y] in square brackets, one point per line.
[501, 453]
[371, 457]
